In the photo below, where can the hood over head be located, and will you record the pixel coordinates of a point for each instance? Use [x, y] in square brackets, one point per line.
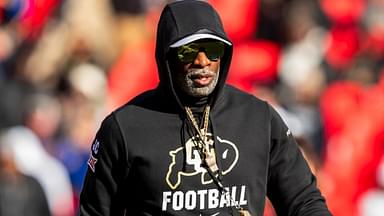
[182, 22]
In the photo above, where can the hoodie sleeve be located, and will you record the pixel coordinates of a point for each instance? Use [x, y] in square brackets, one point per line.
[291, 185]
[107, 168]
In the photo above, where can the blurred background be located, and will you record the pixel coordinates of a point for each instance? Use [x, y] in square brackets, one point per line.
[66, 64]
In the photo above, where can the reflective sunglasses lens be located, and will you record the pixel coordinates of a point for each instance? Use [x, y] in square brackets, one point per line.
[214, 50]
[187, 53]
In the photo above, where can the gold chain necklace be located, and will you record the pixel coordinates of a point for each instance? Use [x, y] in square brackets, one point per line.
[201, 132]
[209, 155]
[203, 146]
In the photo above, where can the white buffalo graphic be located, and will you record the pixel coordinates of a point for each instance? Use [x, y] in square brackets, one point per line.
[193, 165]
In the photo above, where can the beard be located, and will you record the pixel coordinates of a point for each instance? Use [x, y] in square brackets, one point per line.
[185, 81]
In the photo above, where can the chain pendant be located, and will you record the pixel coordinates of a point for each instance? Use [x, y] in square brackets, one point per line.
[243, 212]
[209, 154]
[210, 160]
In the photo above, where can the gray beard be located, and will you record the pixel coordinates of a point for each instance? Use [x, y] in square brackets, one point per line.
[185, 82]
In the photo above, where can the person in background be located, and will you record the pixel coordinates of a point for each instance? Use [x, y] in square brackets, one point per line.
[32, 159]
[20, 194]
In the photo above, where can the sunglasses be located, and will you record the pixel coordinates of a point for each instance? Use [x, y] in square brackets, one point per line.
[214, 50]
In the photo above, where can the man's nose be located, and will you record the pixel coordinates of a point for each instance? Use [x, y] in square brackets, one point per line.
[201, 59]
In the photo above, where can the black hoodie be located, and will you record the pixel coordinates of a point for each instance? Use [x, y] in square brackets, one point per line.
[143, 161]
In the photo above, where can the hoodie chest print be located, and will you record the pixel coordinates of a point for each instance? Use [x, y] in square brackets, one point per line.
[190, 165]
[185, 163]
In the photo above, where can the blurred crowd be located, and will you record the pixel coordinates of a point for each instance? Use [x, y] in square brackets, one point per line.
[65, 64]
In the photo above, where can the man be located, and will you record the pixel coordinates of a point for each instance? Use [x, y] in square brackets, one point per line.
[194, 145]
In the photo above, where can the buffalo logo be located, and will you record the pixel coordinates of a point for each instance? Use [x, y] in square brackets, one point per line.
[193, 164]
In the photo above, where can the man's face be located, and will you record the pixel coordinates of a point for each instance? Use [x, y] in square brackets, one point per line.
[198, 73]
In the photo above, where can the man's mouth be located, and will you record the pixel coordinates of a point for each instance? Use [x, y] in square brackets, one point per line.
[201, 80]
